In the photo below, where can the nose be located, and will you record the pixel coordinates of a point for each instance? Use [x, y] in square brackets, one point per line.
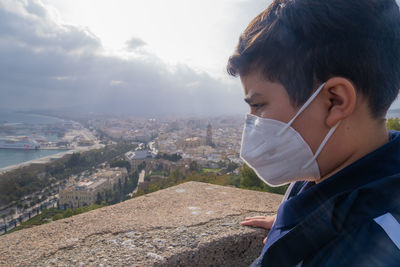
[254, 112]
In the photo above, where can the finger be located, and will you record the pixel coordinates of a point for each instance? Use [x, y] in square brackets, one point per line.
[263, 223]
[255, 217]
[259, 220]
[267, 219]
[257, 223]
[265, 240]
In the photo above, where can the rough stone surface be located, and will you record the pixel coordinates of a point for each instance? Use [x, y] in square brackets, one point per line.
[192, 224]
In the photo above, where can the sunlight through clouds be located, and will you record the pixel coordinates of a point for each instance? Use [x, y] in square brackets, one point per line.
[68, 66]
[201, 34]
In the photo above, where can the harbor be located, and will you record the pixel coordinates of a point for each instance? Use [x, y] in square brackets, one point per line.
[42, 160]
[27, 139]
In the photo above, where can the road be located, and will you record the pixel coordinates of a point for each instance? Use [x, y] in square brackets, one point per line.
[25, 215]
[141, 177]
[141, 180]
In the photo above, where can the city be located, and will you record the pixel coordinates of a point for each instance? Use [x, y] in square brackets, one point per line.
[198, 143]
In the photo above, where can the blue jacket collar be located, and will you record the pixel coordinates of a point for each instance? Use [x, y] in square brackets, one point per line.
[383, 162]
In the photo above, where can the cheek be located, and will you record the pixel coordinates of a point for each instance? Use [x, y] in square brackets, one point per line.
[311, 126]
[278, 112]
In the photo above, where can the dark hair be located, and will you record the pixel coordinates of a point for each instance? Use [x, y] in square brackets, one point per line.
[302, 43]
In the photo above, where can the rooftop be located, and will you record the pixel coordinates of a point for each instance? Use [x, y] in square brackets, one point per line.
[139, 154]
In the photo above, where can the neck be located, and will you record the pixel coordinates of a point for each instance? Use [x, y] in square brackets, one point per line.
[367, 140]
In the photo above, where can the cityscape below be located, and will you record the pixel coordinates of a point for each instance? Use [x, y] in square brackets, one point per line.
[147, 151]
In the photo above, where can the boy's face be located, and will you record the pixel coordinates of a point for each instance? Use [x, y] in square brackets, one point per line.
[270, 100]
[337, 101]
[266, 99]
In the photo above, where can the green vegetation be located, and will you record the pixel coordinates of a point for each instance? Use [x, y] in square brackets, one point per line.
[171, 157]
[141, 166]
[53, 214]
[24, 181]
[250, 180]
[162, 173]
[121, 163]
[393, 124]
[210, 170]
[231, 166]
[247, 179]
[109, 197]
[194, 166]
[119, 192]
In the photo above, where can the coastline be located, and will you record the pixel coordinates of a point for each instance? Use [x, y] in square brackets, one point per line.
[47, 159]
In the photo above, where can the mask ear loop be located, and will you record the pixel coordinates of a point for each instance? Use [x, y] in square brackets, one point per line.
[308, 102]
[321, 146]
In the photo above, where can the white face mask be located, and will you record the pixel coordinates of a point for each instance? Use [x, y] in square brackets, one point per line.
[277, 152]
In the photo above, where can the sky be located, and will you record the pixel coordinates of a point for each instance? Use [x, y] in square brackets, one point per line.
[201, 34]
[126, 57]
[148, 57]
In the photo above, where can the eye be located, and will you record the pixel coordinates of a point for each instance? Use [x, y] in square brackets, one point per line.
[256, 106]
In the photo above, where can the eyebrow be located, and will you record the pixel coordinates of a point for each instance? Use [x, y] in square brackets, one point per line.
[250, 98]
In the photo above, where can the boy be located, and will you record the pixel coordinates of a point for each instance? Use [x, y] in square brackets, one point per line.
[319, 77]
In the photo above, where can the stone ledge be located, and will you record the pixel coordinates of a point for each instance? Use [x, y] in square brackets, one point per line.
[189, 224]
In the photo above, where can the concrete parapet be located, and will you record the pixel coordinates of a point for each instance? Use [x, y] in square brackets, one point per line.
[192, 224]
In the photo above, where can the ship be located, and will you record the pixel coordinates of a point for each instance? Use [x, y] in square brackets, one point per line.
[21, 142]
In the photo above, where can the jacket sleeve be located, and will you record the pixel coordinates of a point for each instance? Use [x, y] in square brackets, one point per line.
[374, 243]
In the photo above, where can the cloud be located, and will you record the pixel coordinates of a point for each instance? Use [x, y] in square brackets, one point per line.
[46, 65]
[28, 24]
[135, 43]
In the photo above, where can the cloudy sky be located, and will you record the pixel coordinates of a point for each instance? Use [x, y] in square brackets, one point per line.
[129, 57]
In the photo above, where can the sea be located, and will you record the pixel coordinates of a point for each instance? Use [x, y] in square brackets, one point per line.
[10, 157]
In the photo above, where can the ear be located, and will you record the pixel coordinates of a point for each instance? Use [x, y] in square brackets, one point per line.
[341, 99]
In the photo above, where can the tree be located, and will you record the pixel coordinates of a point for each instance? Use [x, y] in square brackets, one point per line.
[158, 167]
[121, 164]
[4, 216]
[108, 195]
[194, 166]
[19, 205]
[176, 175]
[231, 166]
[221, 164]
[171, 157]
[134, 177]
[393, 124]
[119, 186]
[12, 212]
[73, 160]
[249, 178]
[99, 198]
[125, 187]
[141, 166]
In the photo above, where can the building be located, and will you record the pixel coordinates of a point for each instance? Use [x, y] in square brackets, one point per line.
[84, 193]
[189, 143]
[138, 156]
[209, 141]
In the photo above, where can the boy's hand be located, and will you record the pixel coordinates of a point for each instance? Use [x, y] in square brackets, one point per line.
[265, 222]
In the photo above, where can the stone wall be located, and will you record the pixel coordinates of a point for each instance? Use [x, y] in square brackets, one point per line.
[193, 224]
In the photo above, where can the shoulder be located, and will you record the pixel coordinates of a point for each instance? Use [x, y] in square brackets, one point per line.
[373, 243]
